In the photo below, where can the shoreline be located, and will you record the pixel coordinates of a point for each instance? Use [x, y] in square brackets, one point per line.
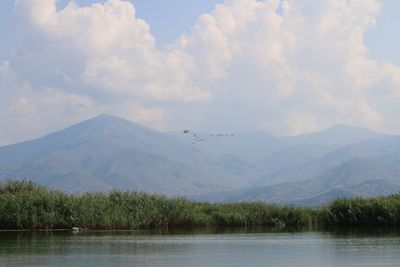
[215, 230]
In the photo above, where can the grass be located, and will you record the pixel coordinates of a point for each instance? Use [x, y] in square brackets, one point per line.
[363, 211]
[25, 205]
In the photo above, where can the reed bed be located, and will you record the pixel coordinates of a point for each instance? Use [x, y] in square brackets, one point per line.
[25, 205]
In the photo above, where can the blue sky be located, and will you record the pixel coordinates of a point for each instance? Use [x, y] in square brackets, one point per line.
[384, 39]
[285, 67]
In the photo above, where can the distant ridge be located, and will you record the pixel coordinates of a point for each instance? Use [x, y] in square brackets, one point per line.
[338, 134]
[108, 152]
[70, 136]
[356, 177]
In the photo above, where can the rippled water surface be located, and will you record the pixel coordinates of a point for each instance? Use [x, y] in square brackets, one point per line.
[337, 247]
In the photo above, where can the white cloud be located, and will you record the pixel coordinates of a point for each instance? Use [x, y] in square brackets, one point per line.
[111, 49]
[283, 66]
[99, 58]
[305, 66]
[26, 112]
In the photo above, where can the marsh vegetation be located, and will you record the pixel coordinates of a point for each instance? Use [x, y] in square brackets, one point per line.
[25, 205]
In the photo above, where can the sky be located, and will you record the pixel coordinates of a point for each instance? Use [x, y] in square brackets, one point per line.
[282, 66]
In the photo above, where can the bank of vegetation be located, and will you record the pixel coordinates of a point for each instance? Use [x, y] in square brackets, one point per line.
[25, 205]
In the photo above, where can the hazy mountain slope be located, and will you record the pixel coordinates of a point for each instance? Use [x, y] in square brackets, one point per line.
[250, 146]
[108, 152]
[344, 176]
[103, 125]
[339, 134]
[242, 168]
[288, 162]
[272, 154]
[294, 156]
[308, 155]
[376, 148]
[366, 189]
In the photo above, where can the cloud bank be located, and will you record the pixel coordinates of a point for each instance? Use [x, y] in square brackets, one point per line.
[286, 67]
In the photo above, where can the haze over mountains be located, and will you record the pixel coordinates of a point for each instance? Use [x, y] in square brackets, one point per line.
[108, 152]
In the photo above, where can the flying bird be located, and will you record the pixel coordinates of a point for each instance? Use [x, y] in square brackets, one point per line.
[198, 138]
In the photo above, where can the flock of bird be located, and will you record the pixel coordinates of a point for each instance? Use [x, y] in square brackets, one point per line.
[197, 138]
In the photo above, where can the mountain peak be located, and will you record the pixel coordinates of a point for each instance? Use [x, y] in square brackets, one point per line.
[346, 127]
[106, 118]
[110, 152]
[105, 123]
[337, 134]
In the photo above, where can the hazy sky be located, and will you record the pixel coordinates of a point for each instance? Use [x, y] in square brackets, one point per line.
[285, 67]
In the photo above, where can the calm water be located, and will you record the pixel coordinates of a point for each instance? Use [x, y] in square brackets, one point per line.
[343, 247]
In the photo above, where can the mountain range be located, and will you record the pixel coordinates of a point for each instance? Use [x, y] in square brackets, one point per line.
[108, 152]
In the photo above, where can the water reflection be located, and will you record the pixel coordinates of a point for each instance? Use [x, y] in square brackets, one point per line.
[339, 246]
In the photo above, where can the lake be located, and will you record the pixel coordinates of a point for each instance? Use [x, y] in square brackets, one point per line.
[215, 247]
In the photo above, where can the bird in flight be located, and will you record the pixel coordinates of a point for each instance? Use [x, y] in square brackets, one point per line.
[197, 138]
